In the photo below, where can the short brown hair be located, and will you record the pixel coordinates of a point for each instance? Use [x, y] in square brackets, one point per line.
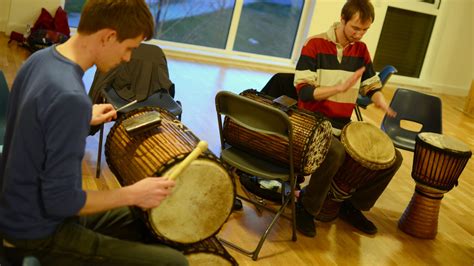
[363, 7]
[129, 18]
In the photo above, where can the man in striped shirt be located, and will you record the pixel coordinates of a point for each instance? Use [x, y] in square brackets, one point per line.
[334, 67]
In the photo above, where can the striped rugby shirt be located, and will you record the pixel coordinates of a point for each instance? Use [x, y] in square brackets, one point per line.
[324, 62]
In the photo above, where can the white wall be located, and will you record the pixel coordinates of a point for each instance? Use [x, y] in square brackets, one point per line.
[451, 64]
[449, 60]
[20, 13]
[4, 14]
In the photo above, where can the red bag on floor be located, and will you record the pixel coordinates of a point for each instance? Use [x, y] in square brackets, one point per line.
[60, 22]
[44, 21]
[48, 30]
[16, 36]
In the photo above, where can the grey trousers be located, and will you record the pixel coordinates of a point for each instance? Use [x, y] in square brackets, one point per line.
[363, 198]
[111, 238]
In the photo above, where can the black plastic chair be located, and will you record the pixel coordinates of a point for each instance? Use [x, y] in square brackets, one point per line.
[263, 119]
[4, 94]
[416, 107]
[281, 84]
[364, 101]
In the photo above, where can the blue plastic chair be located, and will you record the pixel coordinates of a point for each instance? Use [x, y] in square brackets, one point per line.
[415, 107]
[364, 101]
[4, 94]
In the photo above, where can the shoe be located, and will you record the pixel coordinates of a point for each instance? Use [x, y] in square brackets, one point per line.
[355, 217]
[237, 205]
[304, 220]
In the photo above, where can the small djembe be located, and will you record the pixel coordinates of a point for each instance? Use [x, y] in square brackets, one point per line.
[437, 164]
[369, 152]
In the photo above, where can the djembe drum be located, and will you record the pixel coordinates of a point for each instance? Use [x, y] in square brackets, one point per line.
[203, 197]
[311, 137]
[437, 164]
[368, 151]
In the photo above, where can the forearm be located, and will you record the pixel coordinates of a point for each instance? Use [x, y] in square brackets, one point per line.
[379, 100]
[322, 93]
[308, 93]
[99, 201]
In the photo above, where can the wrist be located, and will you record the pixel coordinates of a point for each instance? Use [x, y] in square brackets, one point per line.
[126, 194]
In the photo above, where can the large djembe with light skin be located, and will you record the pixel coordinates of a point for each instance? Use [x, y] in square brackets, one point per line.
[437, 164]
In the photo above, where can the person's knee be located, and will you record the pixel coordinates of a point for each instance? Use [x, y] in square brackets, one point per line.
[337, 153]
[178, 260]
[175, 258]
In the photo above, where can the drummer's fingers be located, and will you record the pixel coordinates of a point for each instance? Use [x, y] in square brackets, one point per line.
[152, 183]
[151, 202]
[164, 182]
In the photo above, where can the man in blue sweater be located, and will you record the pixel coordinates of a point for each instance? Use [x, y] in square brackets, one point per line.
[43, 209]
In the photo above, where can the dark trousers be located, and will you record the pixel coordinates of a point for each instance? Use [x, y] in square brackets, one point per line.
[111, 238]
[363, 198]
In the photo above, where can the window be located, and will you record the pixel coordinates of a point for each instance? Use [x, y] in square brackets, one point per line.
[197, 22]
[268, 27]
[404, 41]
[73, 9]
[258, 27]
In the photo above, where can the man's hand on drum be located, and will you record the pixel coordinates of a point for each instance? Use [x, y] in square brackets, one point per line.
[150, 192]
[379, 100]
[102, 113]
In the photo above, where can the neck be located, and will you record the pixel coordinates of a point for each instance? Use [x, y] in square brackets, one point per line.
[340, 36]
[79, 49]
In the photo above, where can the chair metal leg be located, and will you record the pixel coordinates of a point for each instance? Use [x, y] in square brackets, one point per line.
[99, 151]
[358, 113]
[293, 209]
[254, 254]
[289, 199]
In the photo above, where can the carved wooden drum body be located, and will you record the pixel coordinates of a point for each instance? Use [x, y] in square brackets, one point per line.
[437, 164]
[204, 193]
[312, 136]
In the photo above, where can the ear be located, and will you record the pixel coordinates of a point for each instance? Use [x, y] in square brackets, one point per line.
[107, 36]
[343, 21]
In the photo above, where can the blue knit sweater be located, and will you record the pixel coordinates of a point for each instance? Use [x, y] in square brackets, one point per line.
[47, 124]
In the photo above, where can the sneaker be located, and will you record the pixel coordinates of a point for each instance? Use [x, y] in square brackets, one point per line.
[355, 217]
[304, 221]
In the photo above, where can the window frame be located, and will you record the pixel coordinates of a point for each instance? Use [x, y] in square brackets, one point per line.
[202, 52]
[227, 55]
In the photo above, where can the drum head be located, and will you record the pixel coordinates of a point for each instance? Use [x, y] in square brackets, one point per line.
[199, 205]
[444, 142]
[368, 145]
[208, 259]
